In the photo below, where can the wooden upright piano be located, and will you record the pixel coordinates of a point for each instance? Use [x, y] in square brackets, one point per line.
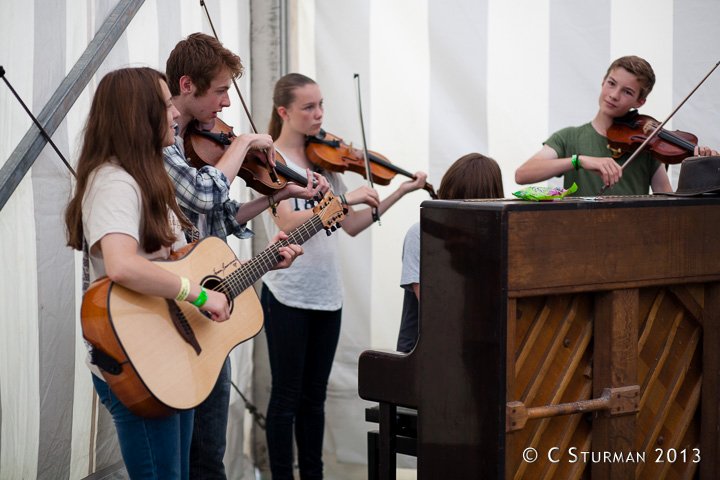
[563, 340]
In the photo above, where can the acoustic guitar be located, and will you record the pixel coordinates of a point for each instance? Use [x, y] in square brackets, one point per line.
[158, 355]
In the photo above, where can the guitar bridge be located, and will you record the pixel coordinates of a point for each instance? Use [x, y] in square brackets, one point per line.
[182, 326]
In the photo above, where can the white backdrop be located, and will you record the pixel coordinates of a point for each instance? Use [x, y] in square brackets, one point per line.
[440, 78]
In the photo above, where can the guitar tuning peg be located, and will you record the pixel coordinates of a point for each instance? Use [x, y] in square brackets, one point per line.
[339, 225]
[345, 210]
[333, 228]
[328, 232]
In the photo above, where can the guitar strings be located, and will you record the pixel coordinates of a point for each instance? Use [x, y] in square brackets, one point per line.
[247, 274]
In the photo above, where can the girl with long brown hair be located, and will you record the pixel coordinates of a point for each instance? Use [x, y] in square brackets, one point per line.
[124, 208]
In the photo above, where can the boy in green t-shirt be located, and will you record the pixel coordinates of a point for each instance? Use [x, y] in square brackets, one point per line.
[581, 155]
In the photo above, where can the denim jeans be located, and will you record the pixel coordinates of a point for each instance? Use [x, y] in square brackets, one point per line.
[152, 448]
[210, 430]
[301, 345]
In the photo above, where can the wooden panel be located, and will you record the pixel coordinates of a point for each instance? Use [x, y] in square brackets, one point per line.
[574, 250]
[615, 364]
[710, 427]
[552, 361]
[670, 375]
[569, 347]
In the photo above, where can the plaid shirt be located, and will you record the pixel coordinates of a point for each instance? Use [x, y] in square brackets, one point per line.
[204, 191]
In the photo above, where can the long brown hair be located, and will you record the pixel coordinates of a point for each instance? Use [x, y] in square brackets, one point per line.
[128, 123]
[472, 176]
[283, 96]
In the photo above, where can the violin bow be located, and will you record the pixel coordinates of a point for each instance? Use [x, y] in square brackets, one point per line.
[368, 172]
[271, 169]
[659, 128]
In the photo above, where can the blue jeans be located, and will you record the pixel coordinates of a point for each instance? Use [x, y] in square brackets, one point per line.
[152, 448]
[301, 345]
[210, 430]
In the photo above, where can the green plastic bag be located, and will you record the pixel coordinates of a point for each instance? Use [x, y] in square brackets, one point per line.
[545, 194]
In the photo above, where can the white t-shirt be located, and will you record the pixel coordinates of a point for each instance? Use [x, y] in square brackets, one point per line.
[313, 281]
[112, 204]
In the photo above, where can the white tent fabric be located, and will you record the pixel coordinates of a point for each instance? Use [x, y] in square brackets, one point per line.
[445, 78]
[50, 426]
[440, 78]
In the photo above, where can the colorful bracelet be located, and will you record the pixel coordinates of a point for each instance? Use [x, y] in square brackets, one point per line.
[575, 160]
[201, 299]
[184, 289]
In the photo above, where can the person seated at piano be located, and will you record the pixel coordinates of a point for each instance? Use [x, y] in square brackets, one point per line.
[581, 154]
[125, 209]
[471, 176]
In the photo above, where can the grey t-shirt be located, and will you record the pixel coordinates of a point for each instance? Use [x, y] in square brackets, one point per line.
[313, 281]
[113, 204]
[411, 258]
[410, 274]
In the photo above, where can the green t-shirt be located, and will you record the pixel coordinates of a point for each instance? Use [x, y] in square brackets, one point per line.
[585, 140]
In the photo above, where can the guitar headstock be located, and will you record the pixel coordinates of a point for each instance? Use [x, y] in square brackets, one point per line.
[330, 211]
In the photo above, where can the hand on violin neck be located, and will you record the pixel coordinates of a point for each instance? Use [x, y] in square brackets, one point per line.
[704, 151]
[416, 183]
[315, 189]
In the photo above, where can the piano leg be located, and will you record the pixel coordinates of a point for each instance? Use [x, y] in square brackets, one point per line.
[388, 431]
[373, 446]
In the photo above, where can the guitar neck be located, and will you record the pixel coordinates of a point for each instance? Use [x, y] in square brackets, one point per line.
[250, 272]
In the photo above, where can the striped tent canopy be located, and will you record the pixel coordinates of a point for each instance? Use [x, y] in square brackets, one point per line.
[439, 79]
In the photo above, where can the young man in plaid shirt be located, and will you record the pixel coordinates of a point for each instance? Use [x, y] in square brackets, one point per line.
[199, 72]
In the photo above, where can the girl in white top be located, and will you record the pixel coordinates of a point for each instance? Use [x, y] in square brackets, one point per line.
[124, 208]
[302, 304]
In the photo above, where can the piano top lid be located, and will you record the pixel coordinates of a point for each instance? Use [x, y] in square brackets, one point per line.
[575, 203]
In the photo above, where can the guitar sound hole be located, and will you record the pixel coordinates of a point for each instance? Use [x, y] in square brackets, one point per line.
[212, 282]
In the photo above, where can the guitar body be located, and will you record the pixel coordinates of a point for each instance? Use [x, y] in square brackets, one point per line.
[161, 371]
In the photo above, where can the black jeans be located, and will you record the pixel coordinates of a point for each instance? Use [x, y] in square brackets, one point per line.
[301, 345]
[210, 430]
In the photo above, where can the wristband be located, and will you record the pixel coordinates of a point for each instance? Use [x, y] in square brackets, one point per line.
[343, 200]
[575, 160]
[201, 299]
[184, 289]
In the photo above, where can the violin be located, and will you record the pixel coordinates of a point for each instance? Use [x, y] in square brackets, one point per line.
[331, 153]
[628, 132]
[205, 147]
